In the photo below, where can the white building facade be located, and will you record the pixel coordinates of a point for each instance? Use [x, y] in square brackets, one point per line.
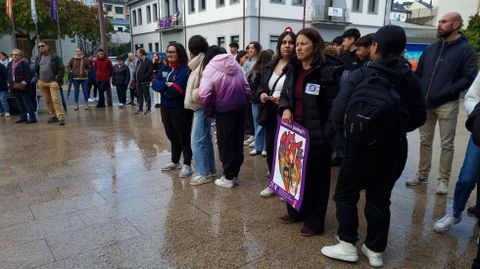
[155, 23]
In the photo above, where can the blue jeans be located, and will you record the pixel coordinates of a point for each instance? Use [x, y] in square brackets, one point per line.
[76, 86]
[202, 146]
[260, 144]
[469, 175]
[4, 108]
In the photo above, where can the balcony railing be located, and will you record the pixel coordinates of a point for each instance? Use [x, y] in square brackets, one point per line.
[172, 22]
[329, 14]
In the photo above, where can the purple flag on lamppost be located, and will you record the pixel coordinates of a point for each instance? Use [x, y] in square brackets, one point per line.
[54, 10]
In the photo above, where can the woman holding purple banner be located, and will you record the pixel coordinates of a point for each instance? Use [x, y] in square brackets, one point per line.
[268, 93]
[311, 84]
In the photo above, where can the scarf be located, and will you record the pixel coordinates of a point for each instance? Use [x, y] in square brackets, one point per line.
[174, 65]
[15, 65]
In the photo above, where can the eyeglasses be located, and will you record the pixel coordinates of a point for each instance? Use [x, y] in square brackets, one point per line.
[41, 46]
[171, 52]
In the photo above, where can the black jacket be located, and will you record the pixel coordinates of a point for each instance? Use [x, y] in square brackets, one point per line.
[262, 87]
[120, 75]
[473, 124]
[3, 78]
[399, 73]
[22, 73]
[350, 63]
[445, 69]
[144, 71]
[316, 108]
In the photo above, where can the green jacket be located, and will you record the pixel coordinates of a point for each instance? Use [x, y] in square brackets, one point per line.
[58, 68]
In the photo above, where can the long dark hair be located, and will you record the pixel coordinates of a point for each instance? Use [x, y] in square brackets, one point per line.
[264, 57]
[212, 52]
[317, 41]
[197, 44]
[181, 53]
[280, 40]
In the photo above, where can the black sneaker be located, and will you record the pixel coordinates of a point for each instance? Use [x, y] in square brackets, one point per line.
[472, 210]
[20, 121]
[52, 120]
[62, 122]
[140, 111]
[157, 105]
[100, 105]
[32, 121]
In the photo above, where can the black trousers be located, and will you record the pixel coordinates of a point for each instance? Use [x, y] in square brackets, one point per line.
[92, 83]
[249, 127]
[376, 172]
[102, 88]
[133, 94]
[178, 127]
[143, 93]
[270, 131]
[316, 191]
[230, 131]
[122, 93]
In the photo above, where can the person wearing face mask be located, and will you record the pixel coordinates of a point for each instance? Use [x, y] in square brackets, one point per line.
[79, 67]
[311, 84]
[446, 68]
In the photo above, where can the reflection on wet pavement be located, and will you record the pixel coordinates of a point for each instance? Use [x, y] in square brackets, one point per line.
[91, 195]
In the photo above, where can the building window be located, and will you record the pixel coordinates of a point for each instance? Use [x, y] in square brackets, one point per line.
[202, 4]
[235, 38]
[108, 8]
[155, 12]
[119, 10]
[166, 10]
[372, 6]
[139, 16]
[134, 18]
[273, 41]
[120, 29]
[157, 47]
[357, 5]
[192, 6]
[297, 2]
[234, 2]
[141, 46]
[220, 3]
[150, 47]
[149, 14]
[277, 1]
[221, 41]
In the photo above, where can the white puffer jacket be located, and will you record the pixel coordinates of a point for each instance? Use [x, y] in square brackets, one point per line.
[191, 95]
[473, 95]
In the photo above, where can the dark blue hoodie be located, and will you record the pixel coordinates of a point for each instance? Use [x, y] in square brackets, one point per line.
[445, 69]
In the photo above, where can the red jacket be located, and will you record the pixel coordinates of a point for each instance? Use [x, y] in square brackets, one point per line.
[103, 68]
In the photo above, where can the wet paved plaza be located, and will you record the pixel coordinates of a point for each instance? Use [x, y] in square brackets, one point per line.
[91, 195]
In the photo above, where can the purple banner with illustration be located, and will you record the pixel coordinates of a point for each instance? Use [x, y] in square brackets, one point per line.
[287, 178]
[413, 53]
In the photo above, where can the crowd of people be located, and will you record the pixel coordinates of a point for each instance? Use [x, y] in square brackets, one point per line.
[357, 96]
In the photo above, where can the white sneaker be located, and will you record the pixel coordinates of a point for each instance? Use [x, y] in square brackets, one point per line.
[444, 224]
[7, 115]
[374, 258]
[416, 181]
[264, 153]
[186, 171]
[91, 100]
[171, 166]
[224, 183]
[95, 99]
[342, 251]
[252, 145]
[249, 140]
[199, 180]
[253, 152]
[442, 186]
[267, 193]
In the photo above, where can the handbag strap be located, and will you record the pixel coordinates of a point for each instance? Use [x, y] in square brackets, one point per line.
[270, 93]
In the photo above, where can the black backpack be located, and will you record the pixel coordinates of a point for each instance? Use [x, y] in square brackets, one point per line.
[375, 115]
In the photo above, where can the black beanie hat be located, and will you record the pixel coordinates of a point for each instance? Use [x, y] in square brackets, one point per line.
[391, 40]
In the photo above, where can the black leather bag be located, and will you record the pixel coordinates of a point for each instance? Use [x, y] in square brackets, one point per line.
[267, 109]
